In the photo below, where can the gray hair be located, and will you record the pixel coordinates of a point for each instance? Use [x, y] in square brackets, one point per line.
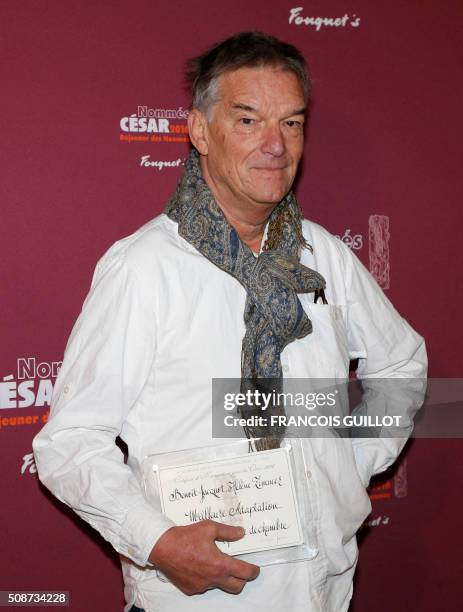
[246, 49]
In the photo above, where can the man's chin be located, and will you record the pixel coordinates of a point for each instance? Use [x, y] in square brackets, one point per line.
[270, 199]
[272, 194]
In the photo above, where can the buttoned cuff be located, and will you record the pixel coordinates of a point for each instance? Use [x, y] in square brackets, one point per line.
[140, 531]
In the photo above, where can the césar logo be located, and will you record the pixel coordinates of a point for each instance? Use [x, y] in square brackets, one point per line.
[32, 386]
[147, 123]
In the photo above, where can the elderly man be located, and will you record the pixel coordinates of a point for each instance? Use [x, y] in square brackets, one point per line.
[229, 282]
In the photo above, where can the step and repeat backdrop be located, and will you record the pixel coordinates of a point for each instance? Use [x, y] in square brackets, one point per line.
[94, 136]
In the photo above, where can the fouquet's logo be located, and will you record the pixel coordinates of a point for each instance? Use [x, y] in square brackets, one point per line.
[32, 385]
[28, 464]
[297, 18]
[155, 125]
[147, 162]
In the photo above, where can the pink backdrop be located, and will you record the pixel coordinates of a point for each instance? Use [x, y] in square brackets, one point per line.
[383, 146]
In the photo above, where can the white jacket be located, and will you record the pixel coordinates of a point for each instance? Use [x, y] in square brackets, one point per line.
[161, 321]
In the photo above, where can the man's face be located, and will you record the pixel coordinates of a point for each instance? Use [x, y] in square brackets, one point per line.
[254, 139]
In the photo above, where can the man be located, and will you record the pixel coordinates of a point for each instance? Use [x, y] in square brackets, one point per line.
[224, 285]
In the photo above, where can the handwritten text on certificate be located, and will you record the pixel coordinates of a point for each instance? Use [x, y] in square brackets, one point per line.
[254, 491]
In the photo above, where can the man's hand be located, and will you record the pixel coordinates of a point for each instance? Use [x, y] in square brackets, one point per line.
[190, 559]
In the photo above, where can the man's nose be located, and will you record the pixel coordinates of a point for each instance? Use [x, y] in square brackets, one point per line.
[274, 142]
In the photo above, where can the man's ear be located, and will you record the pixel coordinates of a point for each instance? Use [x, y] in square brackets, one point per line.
[198, 129]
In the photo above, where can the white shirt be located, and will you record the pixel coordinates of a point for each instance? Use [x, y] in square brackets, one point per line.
[161, 321]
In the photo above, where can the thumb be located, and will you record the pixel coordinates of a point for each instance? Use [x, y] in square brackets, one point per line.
[228, 533]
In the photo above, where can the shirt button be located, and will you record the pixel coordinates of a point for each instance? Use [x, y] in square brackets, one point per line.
[308, 474]
[66, 389]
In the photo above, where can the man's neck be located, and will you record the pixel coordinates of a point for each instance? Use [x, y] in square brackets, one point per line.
[251, 233]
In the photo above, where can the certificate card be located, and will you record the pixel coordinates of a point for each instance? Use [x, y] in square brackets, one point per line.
[264, 492]
[255, 491]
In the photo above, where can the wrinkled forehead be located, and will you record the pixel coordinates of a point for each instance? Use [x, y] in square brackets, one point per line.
[261, 86]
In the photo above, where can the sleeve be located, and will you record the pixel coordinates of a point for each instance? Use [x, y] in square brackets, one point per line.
[106, 363]
[387, 347]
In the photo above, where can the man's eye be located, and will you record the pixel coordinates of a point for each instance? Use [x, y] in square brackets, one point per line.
[294, 123]
[246, 121]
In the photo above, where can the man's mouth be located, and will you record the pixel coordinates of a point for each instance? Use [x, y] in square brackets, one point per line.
[269, 168]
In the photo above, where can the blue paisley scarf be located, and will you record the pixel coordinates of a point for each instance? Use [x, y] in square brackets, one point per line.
[273, 314]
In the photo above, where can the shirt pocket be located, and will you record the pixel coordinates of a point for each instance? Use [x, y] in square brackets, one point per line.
[324, 352]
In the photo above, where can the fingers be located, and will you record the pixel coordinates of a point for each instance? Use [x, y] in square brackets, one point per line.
[242, 569]
[191, 560]
[227, 533]
[232, 585]
[235, 567]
